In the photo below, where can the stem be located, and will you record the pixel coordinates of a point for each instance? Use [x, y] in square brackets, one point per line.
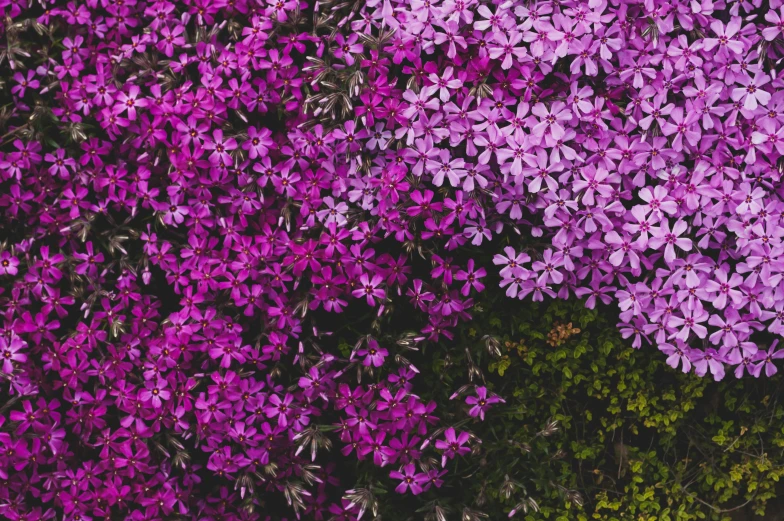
[12, 132]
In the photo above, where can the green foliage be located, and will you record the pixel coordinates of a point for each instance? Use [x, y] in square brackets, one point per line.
[637, 440]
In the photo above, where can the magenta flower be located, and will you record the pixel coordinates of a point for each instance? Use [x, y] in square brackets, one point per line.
[129, 102]
[453, 445]
[347, 47]
[410, 479]
[10, 352]
[24, 83]
[471, 278]
[708, 360]
[90, 261]
[725, 40]
[194, 193]
[662, 236]
[374, 355]
[279, 409]
[228, 352]
[220, 147]
[765, 359]
[481, 402]
[171, 38]
[368, 287]
[258, 142]
[8, 264]
[155, 392]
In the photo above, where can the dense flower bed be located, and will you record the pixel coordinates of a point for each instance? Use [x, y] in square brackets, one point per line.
[229, 227]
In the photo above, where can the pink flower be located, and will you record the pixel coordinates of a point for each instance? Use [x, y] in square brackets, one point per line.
[512, 262]
[368, 287]
[691, 321]
[662, 236]
[725, 287]
[10, 352]
[8, 264]
[751, 93]
[725, 40]
[374, 355]
[729, 329]
[453, 445]
[481, 402]
[771, 16]
[471, 277]
[155, 392]
[347, 47]
[507, 46]
[765, 359]
[129, 102]
[258, 142]
[410, 479]
[708, 360]
[24, 83]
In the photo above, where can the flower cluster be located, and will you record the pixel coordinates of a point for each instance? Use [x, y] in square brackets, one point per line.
[179, 237]
[193, 191]
[637, 146]
[652, 178]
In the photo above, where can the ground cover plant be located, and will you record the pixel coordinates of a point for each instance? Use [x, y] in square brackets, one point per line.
[242, 239]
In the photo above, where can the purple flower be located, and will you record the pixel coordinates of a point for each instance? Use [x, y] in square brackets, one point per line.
[453, 445]
[279, 408]
[471, 277]
[368, 287]
[410, 479]
[708, 360]
[129, 102]
[10, 352]
[662, 236]
[481, 402]
[24, 83]
[184, 275]
[347, 47]
[765, 359]
[374, 355]
[8, 264]
[258, 142]
[155, 392]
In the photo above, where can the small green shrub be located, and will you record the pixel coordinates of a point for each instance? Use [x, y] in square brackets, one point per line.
[635, 440]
